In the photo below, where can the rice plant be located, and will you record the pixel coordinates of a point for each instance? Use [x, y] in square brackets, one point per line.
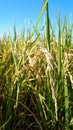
[36, 80]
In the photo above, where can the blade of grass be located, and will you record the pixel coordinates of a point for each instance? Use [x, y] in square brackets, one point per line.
[36, 25]
[59, 45]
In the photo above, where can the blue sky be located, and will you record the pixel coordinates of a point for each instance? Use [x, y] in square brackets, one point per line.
[19, 11]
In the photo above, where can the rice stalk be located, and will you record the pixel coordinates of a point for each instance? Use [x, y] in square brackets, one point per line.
[13, 48]
[47, 27]
[66, 104]
[52, 83]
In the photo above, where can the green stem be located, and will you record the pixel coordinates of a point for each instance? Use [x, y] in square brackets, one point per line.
[66, 104]
[47, 27]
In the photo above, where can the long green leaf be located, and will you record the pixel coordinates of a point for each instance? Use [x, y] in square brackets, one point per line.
[39, 18]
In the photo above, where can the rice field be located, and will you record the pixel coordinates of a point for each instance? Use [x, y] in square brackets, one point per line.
[36, 78]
